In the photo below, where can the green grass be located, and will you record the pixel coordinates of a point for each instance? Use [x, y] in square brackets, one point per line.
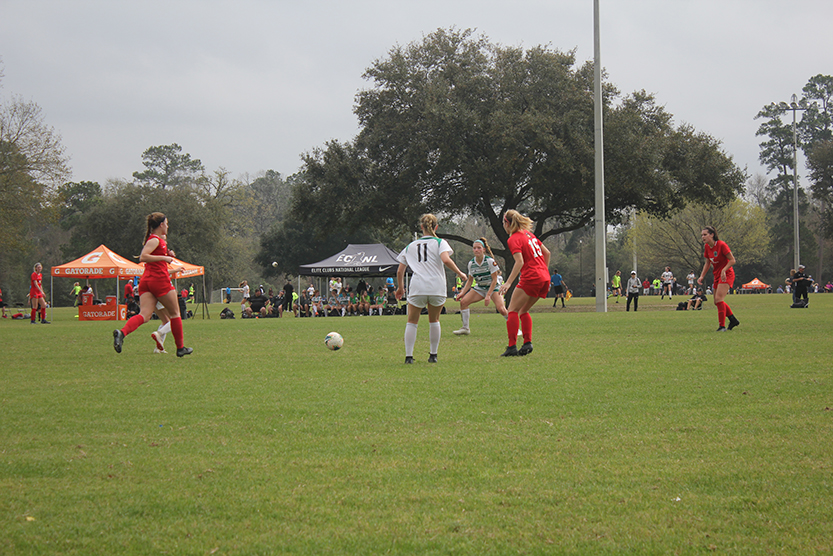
[625, 433]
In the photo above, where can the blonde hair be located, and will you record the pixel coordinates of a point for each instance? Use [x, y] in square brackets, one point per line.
[155, 220]
[428, 222]
[517, 221]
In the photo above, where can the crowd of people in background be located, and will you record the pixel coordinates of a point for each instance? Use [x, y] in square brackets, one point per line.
[340, 300]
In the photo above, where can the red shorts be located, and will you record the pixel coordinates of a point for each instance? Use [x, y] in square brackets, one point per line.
[33, 294]
[534, 286]
[156, 287]
[730, 278]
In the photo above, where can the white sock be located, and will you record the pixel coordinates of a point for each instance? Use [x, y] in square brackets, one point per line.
[434, 333]
[163, 331]
[465, 315]
[410, 339]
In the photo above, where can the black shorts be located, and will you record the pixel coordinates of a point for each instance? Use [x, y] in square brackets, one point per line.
[559, 289]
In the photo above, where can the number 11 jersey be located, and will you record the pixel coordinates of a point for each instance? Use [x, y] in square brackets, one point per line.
[423, 256]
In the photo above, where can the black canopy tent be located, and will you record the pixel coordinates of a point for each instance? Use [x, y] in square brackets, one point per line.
[362, 259]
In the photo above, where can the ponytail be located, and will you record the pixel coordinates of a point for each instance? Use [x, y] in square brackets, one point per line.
[154, 220]
[428, 223]
[515, 221]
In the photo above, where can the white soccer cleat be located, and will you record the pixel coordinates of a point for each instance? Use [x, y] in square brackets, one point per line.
[160, 343]
[463, 332]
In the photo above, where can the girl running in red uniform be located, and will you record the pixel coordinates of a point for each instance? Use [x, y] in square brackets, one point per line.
[36, 296]
[155, 285]
[532, 260]
[720, 258]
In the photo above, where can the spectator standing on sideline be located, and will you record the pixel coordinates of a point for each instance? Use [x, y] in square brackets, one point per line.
[656, 286]
[646, 287]
[558, 285]
[288, 297]
[616, 285]
[244, 288]
[667, 283]
[633, 292]
[691, 278]
[128, 292]
[76, 293]
[801, 285]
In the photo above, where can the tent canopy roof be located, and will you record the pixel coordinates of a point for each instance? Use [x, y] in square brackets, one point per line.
[101, 262]
[361, 259]
[755, 284]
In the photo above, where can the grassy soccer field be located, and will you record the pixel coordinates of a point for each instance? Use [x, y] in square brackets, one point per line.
[625, 433]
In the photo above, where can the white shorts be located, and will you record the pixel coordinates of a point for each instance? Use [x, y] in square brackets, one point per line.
[422, 301]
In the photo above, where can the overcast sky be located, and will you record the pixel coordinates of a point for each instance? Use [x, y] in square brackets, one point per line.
[250, 85]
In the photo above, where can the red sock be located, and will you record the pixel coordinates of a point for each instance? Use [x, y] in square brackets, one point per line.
[132, 324]
[721, 313]
[176, 329]
[729, 312]
[526, 327]
[512, 324]
[34, 312]
[43, 313]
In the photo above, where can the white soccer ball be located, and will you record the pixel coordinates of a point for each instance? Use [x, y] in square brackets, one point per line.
[334, 341]
[275, 264]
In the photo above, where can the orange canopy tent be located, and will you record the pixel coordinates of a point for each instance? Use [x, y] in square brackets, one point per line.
[755, 285]
[101, 262]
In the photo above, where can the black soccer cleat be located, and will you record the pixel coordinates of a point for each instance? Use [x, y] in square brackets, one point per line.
[118, 340]
[733, 322]
[432, 357]
[409, 360]
[526, 349]
[721, 329]
[45, 322]
[183, 351]
[511, 351]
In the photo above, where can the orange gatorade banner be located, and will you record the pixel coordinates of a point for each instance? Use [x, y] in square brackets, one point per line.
[102, 312]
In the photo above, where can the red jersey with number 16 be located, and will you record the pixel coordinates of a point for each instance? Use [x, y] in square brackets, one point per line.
[529, 246]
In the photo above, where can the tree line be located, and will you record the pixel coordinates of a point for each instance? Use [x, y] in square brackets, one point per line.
[452, 124]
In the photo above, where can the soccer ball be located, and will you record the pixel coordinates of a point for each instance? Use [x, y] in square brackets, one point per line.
[275, 264]
[334, 341]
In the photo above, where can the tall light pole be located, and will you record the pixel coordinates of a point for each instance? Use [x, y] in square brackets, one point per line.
[795, 106]
[580, 267]
[599, 218]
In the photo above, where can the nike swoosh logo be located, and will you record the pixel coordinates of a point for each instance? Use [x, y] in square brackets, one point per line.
[383, 268]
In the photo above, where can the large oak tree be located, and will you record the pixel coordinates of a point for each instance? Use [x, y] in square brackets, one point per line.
[456, 125]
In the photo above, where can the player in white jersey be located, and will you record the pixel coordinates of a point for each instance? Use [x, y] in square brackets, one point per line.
[427, 257]
[482, 284]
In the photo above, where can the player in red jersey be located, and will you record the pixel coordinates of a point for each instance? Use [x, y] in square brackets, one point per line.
[532, 261]
[36, 296]
[720, 258]
[155, 285]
